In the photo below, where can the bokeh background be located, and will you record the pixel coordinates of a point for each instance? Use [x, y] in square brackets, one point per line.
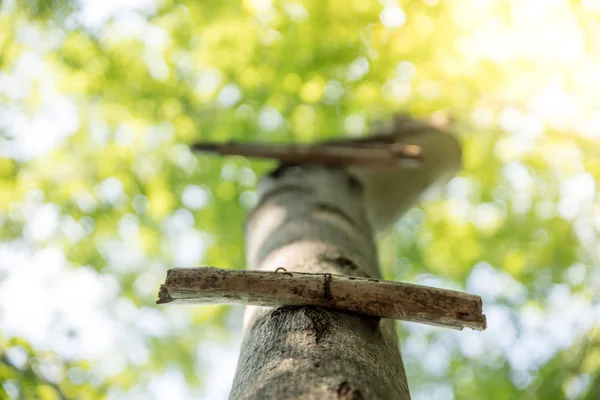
[100, 195]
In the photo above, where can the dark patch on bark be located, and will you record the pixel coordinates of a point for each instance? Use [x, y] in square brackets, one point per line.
[354, 184]
[298, 291]
[372, 323]
[347, 391]
[282, 169]
[320, 322]
[331, 209]
[340, 261]
[317, 319]
[276, 312]
[283, 189]
[209, 282]
[327, 287]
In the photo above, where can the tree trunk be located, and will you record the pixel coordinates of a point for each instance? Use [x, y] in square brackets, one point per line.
[313, 219]
[322, 219]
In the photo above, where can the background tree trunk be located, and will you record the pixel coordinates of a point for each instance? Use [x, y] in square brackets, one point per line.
[313, 219]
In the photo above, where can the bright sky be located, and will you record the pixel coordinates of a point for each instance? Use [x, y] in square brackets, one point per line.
[45, 306]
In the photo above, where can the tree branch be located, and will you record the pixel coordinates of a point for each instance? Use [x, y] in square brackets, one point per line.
[376, 155]
[385, 299]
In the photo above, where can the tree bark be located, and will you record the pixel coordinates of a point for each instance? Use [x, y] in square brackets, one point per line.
[366, 296]
[312, 219]
[323, 219]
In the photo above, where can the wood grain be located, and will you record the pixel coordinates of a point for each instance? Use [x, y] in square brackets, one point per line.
[375, 155]
[373, 297]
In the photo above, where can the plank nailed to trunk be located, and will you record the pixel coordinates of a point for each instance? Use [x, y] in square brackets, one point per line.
[376, 155]
[373, 297]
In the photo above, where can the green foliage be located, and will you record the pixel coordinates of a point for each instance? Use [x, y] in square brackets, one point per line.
[97, 109]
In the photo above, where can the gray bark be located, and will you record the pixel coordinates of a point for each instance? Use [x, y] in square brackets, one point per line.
[312, 219]
[318, 219]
